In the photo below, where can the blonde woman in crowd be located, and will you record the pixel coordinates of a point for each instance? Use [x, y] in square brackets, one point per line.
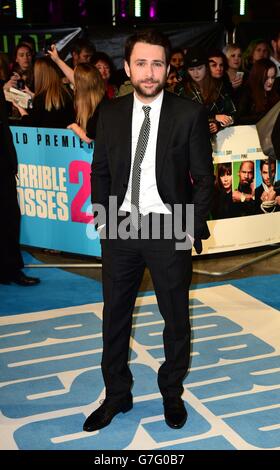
[235, 75]
[233, 54]
[52, 103]
[89, 90]
[256, 50]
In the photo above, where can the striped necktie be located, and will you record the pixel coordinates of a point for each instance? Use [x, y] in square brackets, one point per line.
[136, 170]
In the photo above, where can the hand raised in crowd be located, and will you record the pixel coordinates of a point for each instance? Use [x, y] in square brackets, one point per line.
[52, 52]
[68, 71]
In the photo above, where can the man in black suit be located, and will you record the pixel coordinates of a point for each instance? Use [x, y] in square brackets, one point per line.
[11, 262]
[168, 138]
[267, 194]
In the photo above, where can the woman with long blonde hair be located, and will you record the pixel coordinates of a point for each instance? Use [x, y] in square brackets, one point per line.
[52, 104]
[89, 90]
[256, 50]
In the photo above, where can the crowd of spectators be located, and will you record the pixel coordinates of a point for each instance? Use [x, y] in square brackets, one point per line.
[236, 87]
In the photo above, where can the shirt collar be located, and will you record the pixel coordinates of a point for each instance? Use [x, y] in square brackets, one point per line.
[155, 105]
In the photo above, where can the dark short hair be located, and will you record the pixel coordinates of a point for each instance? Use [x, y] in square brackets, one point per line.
[83, 44]
[266, 162]
[246, 161]
[148, 36]
[177, 50]
[102, 56]
[275, 34]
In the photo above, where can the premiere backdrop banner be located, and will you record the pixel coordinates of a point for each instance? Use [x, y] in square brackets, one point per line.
[54, 192]
[255, 219]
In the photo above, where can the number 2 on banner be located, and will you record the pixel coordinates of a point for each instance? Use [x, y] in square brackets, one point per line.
[76, 169]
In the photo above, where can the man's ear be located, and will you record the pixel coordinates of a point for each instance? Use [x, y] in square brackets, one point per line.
[127, 68]
[167, 71]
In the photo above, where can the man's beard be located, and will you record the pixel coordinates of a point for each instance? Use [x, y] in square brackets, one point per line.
[245, 187]
[141, 91]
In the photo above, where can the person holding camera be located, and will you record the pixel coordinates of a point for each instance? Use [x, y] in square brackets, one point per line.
[52, 103]
[22, 77]
[22, 67]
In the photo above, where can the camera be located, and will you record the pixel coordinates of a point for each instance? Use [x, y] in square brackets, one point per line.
[20, 84]
[47, 46]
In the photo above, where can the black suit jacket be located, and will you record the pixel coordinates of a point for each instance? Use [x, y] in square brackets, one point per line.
[184, 168]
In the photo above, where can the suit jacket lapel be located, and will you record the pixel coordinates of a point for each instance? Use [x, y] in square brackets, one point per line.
[125, 133]
[164, 129]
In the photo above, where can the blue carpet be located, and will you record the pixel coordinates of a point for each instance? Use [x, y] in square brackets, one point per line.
[57, 289]
[264, 288]
[51, 345]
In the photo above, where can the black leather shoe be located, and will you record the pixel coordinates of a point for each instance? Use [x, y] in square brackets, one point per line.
[22, 280]
[105, 413]
[175, 413]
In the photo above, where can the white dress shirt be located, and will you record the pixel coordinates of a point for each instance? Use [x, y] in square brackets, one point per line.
[149, 199]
